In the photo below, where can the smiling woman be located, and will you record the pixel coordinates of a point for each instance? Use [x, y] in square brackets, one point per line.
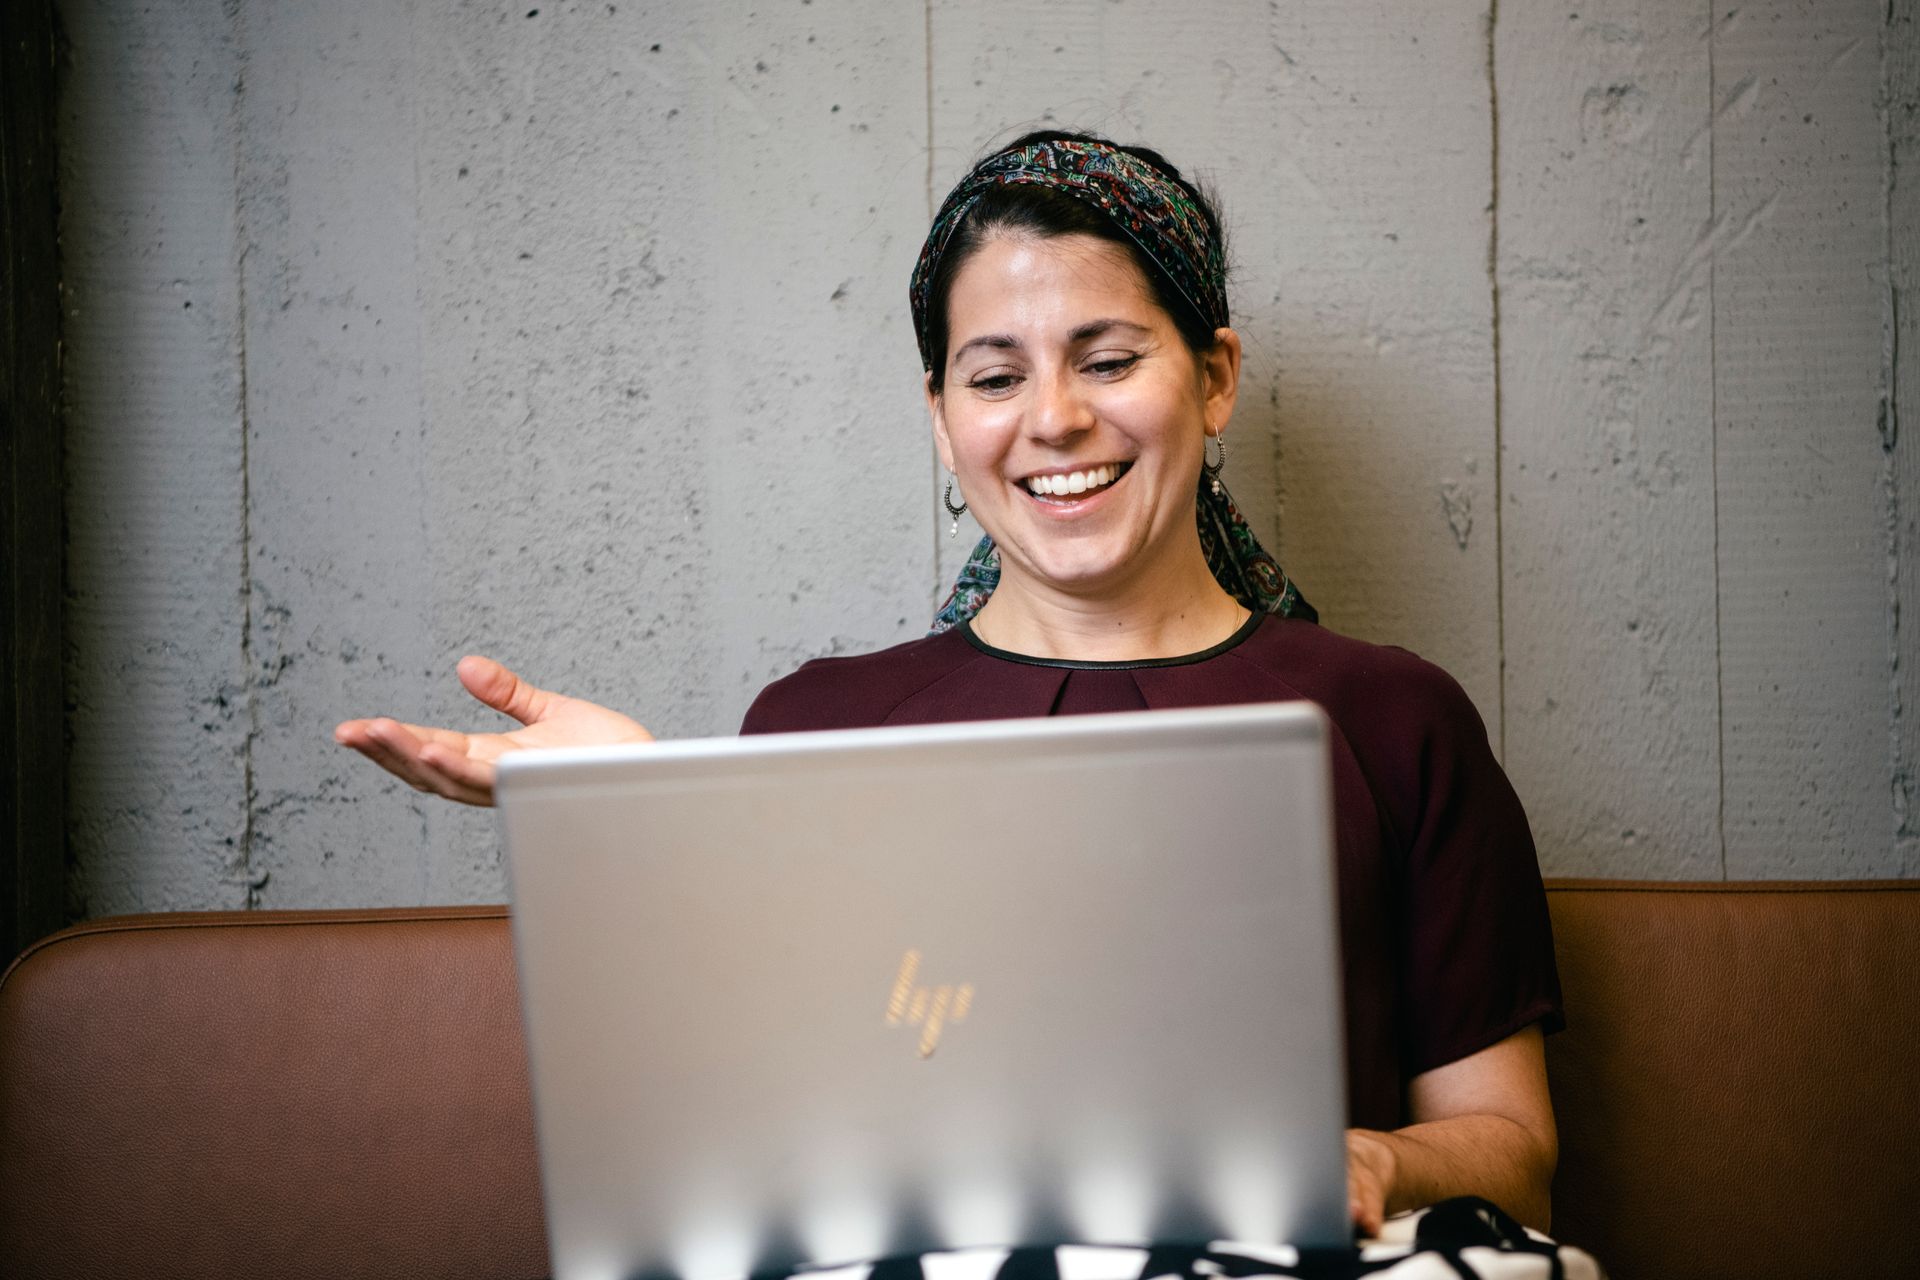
[1071, 308]
[1074, 417]
[1113, 225]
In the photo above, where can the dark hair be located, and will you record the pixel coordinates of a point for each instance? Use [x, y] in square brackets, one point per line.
[1044, 212]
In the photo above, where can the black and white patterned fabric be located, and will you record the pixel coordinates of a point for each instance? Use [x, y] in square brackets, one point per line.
[1464, 1239]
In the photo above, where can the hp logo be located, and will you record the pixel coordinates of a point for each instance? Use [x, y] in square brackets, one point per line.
[928, 1008]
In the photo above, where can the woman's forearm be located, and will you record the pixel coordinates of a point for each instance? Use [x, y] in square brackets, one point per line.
[1478, 1155]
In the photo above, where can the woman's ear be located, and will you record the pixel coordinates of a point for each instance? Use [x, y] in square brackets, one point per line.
[936, 410]
[1220, 379]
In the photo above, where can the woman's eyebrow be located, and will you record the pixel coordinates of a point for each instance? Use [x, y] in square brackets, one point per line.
[997, 341]
[1094, 328]
[1080, 333]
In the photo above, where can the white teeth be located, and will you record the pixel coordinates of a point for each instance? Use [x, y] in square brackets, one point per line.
[1073, 481]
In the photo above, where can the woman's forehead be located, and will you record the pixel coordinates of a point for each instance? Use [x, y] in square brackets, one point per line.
[1047, 278]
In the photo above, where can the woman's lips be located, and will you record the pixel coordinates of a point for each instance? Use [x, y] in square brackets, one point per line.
[1072, 490]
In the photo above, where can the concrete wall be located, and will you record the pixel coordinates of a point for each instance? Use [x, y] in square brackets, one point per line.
[575, 334]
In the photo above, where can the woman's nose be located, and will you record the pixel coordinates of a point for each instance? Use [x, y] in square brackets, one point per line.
[1058, 410]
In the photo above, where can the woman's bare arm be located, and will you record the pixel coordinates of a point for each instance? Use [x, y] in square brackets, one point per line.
[1482, 1126]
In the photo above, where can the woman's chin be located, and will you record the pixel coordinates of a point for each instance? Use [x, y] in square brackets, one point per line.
[1076, 570]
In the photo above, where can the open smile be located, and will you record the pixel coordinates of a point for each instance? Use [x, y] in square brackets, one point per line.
[1068, 488]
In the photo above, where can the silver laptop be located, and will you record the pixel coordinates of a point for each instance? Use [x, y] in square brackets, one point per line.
[808, 999]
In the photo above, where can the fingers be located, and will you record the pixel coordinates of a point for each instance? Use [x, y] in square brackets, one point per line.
[502, 690]
[472, 779]
[388, 744]
[1366, 1212]
[1366, 1183]
[432, 766]
[445, 762]
[383, 742]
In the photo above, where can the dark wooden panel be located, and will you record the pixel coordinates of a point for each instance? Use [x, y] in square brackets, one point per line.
[32, 737]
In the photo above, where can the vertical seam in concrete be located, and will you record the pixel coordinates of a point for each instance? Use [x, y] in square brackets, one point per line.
[249, 690]
[935, 598]
[927, 53]
[1713, 431]
[425, 864]
[1890, 424]
[1499, 452]
[1276, 356]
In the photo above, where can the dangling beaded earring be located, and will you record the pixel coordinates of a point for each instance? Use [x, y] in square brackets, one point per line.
[1213, 469]
[946, 500]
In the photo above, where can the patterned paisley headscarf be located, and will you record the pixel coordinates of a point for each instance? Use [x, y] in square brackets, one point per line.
[1168, 225]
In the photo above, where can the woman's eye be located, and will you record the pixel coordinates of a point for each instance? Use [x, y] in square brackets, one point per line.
[1111, 366]
[993, 382]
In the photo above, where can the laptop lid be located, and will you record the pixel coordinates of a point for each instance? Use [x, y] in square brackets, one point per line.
[814, 998]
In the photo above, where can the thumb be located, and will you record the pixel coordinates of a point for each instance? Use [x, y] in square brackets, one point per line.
[502, 690]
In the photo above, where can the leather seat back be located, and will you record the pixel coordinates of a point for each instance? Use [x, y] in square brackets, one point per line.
[268, 1094]
[1738, 1087]
[345, 1093]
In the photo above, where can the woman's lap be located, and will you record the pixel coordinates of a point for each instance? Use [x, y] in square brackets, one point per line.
[1464, 1238]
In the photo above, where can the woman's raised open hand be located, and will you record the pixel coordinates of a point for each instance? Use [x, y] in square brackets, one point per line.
[460, 766]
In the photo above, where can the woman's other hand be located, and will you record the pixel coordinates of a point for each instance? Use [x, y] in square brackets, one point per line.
[460, 766]
[1370, 1174]
[1482, 1126]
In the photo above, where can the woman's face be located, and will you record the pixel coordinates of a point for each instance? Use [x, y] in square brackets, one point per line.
[1073, 414]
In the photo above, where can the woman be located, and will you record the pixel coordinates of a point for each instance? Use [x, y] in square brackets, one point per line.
[1071, 308]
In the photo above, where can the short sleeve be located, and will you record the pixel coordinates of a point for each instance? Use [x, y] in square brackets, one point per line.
[778, 708]
[1478, 959]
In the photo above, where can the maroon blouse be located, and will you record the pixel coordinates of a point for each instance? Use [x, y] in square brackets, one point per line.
[1443, 919]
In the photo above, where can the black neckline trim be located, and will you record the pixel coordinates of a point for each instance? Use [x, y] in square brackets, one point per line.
[1245, 629]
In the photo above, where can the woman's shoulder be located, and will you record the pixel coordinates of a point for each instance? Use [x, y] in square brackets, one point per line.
[855, 691]
[1358, 680]
[1412, 728]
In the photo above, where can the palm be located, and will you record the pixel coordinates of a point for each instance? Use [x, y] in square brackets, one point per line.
[569, 722]
[460, 766]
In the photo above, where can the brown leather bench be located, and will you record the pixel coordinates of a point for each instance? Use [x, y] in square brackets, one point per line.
[344, 1093]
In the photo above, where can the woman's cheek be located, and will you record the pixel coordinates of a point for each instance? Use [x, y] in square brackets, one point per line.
[983, 436]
